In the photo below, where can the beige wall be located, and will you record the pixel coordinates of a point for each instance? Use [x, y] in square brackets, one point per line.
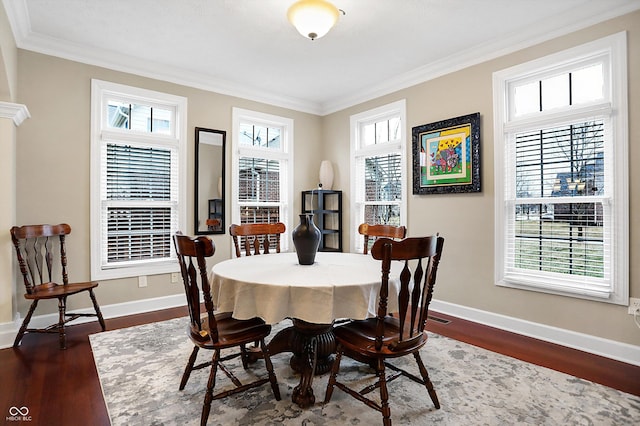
[8, 83]
[467, 220]
[53, 159]
[52, 170]
[8, 60]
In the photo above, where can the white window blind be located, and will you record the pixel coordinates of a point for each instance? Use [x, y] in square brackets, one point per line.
[561, 174]
[378, 156]
[138, 180]
[140, 209]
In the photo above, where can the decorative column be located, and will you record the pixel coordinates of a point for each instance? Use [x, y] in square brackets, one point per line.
[11, 116]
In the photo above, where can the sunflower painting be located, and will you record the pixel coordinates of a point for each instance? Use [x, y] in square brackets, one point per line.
[446, 156]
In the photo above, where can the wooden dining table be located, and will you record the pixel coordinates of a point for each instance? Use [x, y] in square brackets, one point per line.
[275, 287]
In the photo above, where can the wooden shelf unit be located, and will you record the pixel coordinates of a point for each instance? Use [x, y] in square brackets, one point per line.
[326, 206]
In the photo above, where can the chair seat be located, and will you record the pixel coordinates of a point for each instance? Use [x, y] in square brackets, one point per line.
[54, 290]
[231, 331]
[360, 336]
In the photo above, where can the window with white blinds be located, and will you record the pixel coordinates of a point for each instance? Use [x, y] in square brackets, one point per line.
[262, 169]
[138, 150]
[561, 173]
[378, 162]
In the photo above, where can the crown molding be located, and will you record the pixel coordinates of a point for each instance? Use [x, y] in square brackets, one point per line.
[17, 112]
[532, 36]
[145, 68]
[18, 15]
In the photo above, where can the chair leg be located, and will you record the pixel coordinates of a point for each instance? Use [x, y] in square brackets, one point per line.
[334, 372]
[384, 394]
[189, 368]
[97, 308]
[208, 397]
[244, 356]
[62, 308]
[25, 323]
[269, 365]
[427, 382]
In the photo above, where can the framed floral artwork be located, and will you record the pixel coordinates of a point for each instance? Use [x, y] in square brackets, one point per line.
[446, 156]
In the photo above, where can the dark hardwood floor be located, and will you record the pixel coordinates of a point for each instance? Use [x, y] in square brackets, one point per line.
[61, 387]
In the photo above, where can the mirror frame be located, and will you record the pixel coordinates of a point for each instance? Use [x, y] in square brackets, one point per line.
[223, 133]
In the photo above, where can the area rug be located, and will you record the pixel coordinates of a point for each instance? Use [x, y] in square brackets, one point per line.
[140, 370]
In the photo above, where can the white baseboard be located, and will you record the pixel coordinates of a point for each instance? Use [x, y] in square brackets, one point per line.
[596, 345]
[9, 330]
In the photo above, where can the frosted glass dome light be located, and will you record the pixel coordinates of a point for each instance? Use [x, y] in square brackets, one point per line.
[313, 18]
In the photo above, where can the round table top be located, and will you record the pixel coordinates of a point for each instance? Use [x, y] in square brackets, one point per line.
[275, 287]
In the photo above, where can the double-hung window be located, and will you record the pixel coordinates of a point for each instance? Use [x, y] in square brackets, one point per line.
[138, 169]
[561, 175]
[378, 164]
[262, 169]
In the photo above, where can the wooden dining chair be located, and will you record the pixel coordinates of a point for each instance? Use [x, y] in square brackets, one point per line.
[376, 340]
[214, 224]
[44, 278]
[256, 238]
[377, 231]
[216, 331]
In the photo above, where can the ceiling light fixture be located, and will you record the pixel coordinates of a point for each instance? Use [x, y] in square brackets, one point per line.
[313, 18]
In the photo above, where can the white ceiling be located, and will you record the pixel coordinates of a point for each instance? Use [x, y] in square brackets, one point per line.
[247, 48]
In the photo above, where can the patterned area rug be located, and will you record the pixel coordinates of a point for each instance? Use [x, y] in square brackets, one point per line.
[140, 370]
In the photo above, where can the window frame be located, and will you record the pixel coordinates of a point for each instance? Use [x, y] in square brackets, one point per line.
[359, 149]
[101, 134]
[284, 155]
[613, 108]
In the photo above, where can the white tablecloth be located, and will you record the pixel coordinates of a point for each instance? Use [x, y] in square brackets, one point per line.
[275, 287]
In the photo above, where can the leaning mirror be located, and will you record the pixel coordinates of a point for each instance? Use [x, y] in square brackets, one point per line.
[209, 181]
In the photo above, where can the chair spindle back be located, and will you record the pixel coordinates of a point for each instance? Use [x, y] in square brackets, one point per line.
[192, 254]
[379, 231]
[36, 248]
[256, 238]
[416, 284]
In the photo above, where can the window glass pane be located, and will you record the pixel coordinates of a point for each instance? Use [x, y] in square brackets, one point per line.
[587, 84]
[561, 162]
[394, 129]
[123, 115]
[259, 180]
[246, 134]
[383, 214]
[555, 92]
[564, 238]
[161, 121]
[273, 138]
[526, 98]
[141, 118]
[368, 134]
[260, 136]
[259, 214]
[135, 173]
[138, 233]
[118, 114]
[382, 131]
[383, 180]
